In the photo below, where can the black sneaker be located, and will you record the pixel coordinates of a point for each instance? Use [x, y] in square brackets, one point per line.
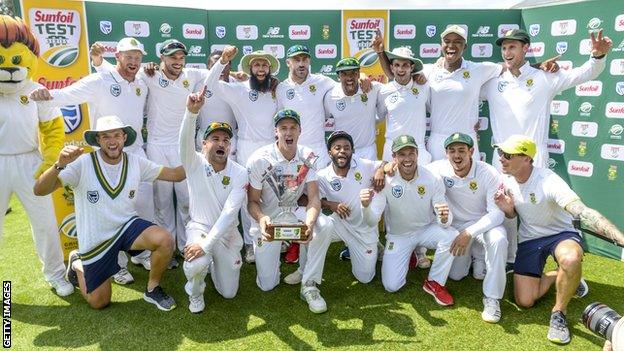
[558, 331]
[509, 267]
[70, 273]
[345, 254]
[159, 298]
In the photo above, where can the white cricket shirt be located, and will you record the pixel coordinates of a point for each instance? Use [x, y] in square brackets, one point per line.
[405, 107]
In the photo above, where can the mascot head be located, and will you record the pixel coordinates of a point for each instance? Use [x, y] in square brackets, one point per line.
[19, 50]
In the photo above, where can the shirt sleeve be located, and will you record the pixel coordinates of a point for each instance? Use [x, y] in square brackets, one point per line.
[229, 214]
[213, 83]
[188, 156]
[439, 197]
[255, 171]
[327, 104]
[372, 213]
[71, 174]
[588, 71]
[558, 190]
[381, 106]
[84, 90]
[149, 170]
[489, 70]
[46, 112]
[105, 67]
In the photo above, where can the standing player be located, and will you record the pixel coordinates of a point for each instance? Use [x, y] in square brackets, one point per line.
[105, 184]
[417, 214]
[353, 109]
[254, 105]
[545, 206]
[217, 191]
[340, 184]
[295, 164]
[470, 188]
[118, 92]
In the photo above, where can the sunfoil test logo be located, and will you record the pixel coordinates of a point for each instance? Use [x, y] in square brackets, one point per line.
[58, 32]
[360, 36]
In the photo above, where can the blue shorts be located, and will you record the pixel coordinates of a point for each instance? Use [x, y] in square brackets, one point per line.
[532, 254]
[100, 263]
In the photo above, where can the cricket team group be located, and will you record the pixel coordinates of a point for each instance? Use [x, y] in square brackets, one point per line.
[214, 137]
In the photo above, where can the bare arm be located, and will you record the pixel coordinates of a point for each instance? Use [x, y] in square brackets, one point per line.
[595, 221]
[378, 46]
[313, 208]
[49, 181]
[172, 174]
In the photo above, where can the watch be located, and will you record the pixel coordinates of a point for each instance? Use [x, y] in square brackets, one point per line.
[59, 168]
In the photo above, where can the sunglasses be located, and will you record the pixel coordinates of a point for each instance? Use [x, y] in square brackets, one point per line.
[174, 45]
[506, 155]
[215, 125]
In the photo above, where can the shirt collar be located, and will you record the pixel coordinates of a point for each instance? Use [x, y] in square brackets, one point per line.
[525, 68]
[408, 86]
[280, 158]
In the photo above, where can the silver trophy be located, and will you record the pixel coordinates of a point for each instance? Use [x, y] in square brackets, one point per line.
[288, 189]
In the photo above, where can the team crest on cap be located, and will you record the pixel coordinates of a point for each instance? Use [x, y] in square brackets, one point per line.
[185, 84]
[502, 85]
[449, 182]
[415, 91]
[163, 82]
[131, 194]
[225, 180]
[473, 185]
[312, 88]
[532, 198]
[341, 105]
[290, 94]
[466, 74]
[137, 91]
[509, 32]
[363, 97]
[394, 97]
[23, 100]
[397, 191]
[358, 176]
[336, 185]
[115, 90]
[253, 95]
[421, 190]
[93, 196]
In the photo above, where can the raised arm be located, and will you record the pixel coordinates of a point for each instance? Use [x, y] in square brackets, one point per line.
[596, 222]
[49, 181]
[378, 46]
[194, 102]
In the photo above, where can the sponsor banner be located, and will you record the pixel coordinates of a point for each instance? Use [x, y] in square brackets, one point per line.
[358, 33]
[565, 65]
[559, 107]
[612, 152]
[110, 47]
[591, 88]
[404, 31]
[136, 29]
[246, 32]
[276, 50]
[619, 23]
[193, 31]
[584, 129]
[563, 27]
[504, 28]
[556, 146]
[326, 51]
[580, 168]
[299, 32]
[536, 50]
[483, 32]
[585, 47]
[484, 123]
[196, 65]
[482, 50]
[60, 28]
[617, 67]
[614, 110]
[430, 50]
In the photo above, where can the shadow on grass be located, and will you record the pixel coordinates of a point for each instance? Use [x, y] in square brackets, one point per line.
[356, 311]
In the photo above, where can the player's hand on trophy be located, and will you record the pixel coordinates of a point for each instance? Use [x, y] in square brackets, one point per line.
[309, 233]
[378, 44]
[195, 101]
[366, 196]
[460, 244]
[442, 211]
[263, 222]
[193, 251]
[150, 68]
[229, 52]
[600, 44]
[96, 52]
[41, 94]
[68, 155]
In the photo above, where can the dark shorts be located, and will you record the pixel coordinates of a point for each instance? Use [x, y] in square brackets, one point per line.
[100, 263]
[532, 254]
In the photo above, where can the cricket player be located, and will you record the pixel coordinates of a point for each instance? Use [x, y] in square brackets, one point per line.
[217, 189]
[254, 104]
[546, 206]
[105, 184]
[470, 189]
[117, 91]
[340, 184]
[417, 214]
[293, 163]
[353, 109]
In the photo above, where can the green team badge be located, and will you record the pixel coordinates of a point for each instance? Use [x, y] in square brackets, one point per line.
[312, 88]
[532, 198]
[612, 172]
[554, 126]
[582, 148]
[415, 91]
[358, 176]
[529, 82]
[466, 74]
[421, 190]
[473, 185]
[363, 97]
[185, 84]
[138, 91]
[225, 180]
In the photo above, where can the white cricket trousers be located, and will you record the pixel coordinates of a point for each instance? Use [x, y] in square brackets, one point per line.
[437, 150]
[17, 177]
[331, 229]
[167, 215]
[494, 241]
[399, 248]
[224, 263]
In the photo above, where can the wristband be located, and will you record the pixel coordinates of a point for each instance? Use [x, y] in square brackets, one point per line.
[58, 168]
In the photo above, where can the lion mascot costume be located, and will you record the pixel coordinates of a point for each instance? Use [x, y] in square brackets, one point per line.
[22, 157]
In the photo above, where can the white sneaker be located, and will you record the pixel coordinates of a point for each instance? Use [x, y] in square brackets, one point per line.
[491, 310]
[141, 260]
[123, 277]
[249, 254]
[478, 269]
[582, 290]
[284, 247]
[312, 295]
[62, 287]
[293, 278]
[196, 304]
[423, 261]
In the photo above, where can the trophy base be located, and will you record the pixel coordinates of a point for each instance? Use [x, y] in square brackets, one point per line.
[296, 232]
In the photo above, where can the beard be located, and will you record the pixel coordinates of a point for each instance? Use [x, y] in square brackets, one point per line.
[262, 87]
[347, 162]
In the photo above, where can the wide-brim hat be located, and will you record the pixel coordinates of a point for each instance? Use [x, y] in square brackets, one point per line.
[106, 123]
[246, 61]
[404, 53]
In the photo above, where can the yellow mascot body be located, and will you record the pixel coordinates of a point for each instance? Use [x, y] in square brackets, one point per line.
[22, 159]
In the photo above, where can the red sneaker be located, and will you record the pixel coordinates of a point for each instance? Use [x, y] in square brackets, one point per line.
[439, 292]
[292, 255]
[413, 261]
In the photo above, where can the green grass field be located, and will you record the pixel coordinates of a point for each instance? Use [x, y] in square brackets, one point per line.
[362, 317]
